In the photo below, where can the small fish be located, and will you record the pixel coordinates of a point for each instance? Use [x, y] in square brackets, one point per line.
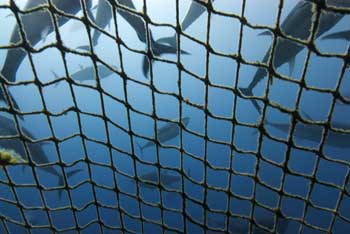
[8, 129]
[166, 133]
[36, 25]
[88, 73]
[297, 24]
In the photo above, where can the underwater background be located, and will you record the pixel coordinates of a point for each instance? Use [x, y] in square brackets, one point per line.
[228, 173]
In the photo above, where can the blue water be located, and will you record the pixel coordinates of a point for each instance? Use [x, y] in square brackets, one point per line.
[105, 193]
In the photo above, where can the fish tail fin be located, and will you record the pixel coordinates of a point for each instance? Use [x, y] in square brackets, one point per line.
[61, 181]
[248, 92]
[140, 148]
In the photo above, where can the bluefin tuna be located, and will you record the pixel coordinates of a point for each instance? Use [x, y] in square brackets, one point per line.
[166, 133]
[104, 16]
[8, 129]
[88, 73]
[193, 13]
[102, 19]
[297, 24]
[314, 133]
[36, 26]
[151, 179]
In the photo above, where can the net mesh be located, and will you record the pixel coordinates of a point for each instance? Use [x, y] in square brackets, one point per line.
[130, 207]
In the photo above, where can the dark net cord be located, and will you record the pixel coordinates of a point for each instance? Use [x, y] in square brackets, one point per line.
[123, 213]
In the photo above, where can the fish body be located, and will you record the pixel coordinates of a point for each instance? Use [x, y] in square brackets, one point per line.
[158, 49]
[88, 73]
[166, 133]
[8, 128]
[36, 26]
[152, 177]
[314, 133]
[297, 24]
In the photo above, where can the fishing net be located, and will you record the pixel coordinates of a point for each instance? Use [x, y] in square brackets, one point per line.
[297, 188]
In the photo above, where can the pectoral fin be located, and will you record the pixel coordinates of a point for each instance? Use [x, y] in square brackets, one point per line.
[342, 35]
[307, 116]
[44, 33]
[56, 76]
[266, 33]
[291, 66]
[75, 26]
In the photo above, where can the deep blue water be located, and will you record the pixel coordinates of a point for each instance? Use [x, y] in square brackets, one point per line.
[112, 195]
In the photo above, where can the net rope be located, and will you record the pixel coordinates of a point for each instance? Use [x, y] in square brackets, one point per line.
[187, 219]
